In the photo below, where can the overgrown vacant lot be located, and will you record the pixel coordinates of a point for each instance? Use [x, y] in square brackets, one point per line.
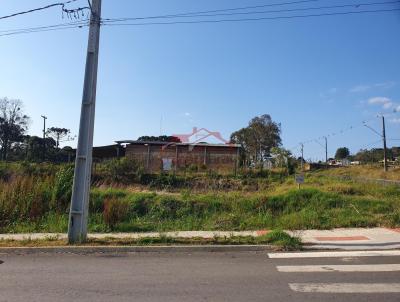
[36, 199]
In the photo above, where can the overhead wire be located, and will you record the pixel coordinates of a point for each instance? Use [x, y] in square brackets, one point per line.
[192, 15]
[63, 8]
[222, 10]
[253, 19]
[117, 21]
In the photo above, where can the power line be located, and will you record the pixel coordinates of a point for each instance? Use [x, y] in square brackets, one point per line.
[220, 10]
[44, 27]
[192, 15]
[254, 19]
[62, 4]
[27, 31]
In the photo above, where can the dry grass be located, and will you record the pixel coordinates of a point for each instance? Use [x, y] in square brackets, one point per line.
[366, 171]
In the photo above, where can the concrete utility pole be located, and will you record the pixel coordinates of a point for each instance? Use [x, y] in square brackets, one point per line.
[326, 151]
[302, 156]
[78, 216]
[44, 137]
[385, 168]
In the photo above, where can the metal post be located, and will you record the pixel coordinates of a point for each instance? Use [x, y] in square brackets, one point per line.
[77, 227]
[44, 137]
[302, 156]
[385, 168]
[326, 152]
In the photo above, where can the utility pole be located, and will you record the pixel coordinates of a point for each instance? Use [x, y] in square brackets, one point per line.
[44, 137]
[385, 168]
[78, 216]
[326, 151]
[302, 156]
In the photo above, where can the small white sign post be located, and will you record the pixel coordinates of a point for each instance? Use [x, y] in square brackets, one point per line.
[299, 179]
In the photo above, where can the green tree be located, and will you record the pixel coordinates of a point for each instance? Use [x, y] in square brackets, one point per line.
[13, 124]
[342, 153]
[258, 138]
[58, 134]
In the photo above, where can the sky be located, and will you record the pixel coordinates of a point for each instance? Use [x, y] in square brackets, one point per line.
[320, 76]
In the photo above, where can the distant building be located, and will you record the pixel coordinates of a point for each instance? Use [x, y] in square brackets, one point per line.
[101, 153]
[157, 157]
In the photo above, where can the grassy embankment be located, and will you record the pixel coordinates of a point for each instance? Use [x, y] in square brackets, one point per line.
[35, 199]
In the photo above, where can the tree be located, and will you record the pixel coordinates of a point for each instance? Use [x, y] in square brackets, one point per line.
[342, 153]
[13, 124]
[258, 138]
[58, 134]
[161, 138]
[34, 147]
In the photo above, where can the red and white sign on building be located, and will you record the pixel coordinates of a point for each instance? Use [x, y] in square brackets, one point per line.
[202, 135]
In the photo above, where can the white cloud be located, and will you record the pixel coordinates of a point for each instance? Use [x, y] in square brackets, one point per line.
[387, 105]
[385, 85]
[187, 114]
[381, 100]
[364, 88]
[360, 88]
[395, 120]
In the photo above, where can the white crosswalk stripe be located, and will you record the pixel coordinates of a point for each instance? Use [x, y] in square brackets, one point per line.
[338, 288]
[335, 254]
[339, 268]
[346, 287]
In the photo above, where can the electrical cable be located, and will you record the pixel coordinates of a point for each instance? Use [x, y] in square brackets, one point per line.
[253, 19]
[186, 15]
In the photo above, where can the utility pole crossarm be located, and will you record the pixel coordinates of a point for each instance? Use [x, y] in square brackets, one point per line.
[77, 227]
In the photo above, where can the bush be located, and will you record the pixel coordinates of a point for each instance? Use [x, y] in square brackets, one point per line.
[167, 181]
[115, 211]
[62, 189]
[122, 170]
[166, 207]
[282, 240]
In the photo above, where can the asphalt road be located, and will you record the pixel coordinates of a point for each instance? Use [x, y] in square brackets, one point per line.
[199, 276]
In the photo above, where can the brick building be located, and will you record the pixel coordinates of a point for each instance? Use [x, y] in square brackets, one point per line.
[156, 157]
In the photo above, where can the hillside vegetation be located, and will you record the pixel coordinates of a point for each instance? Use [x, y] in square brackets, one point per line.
[35, 198]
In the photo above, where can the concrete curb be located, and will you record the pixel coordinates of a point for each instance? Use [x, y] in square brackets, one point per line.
[136, 249]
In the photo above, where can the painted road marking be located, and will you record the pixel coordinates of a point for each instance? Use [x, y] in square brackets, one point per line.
[334, 254]
[339, 268]
[345, 287]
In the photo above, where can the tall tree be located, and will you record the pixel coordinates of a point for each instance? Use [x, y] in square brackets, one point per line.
[342, 153]
[258, 138]
[13, 124]
[58, 134]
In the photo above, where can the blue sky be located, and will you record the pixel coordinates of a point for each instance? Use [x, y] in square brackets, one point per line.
[316, 76]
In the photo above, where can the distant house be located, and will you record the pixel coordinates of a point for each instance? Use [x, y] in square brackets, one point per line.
[156, 157]
[200, 135]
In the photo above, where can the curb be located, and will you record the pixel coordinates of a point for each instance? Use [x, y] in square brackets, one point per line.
[136, 249]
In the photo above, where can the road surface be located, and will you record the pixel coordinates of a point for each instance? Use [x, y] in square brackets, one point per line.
[199, 276]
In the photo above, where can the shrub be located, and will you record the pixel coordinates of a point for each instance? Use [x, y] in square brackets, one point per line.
[166, 207]
[123, 170]
[141, 203]
[167, 181]
[282, 240]
[115, 211]
[62, 189]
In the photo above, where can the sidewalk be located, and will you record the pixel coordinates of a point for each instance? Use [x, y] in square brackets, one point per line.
[346, 239]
